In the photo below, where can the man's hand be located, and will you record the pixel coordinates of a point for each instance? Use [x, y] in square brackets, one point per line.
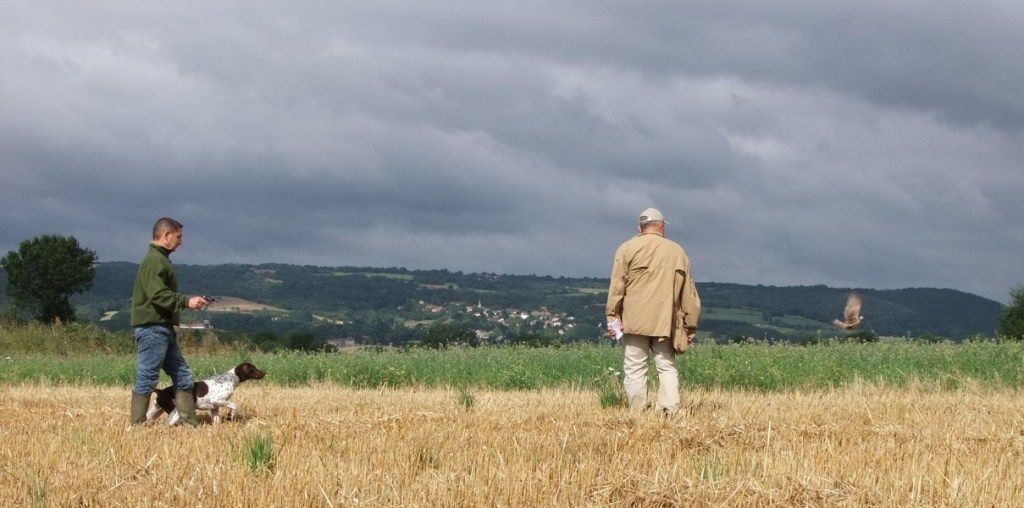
[614, 328]
[691, 335]
[197, 302]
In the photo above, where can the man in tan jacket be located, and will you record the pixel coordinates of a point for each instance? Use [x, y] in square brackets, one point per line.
[653, 302]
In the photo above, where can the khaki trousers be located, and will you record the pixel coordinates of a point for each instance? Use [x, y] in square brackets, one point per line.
[636, 351]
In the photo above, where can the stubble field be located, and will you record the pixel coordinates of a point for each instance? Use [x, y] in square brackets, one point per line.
[327, 445]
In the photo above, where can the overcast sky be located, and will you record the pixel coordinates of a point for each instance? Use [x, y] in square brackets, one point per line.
[868, 144]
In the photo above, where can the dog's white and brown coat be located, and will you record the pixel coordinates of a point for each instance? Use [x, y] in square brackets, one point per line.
[210, 394]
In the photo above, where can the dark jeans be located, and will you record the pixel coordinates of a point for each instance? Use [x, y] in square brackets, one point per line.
[158, 348]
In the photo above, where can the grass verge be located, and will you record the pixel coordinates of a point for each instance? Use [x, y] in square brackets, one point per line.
[748, 367]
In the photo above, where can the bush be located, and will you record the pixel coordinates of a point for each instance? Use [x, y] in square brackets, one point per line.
[930, 338]
[862, 337]
[74, 339]
[1011, 319]
[810, 340]
[535, 340]
[441, 336]
[63, 339]
[266, 341]
[303, 341]
[978, 337]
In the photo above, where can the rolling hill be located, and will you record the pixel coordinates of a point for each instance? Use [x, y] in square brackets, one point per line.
[381, 304]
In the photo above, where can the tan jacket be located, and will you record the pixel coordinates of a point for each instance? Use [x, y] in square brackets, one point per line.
[652, 290]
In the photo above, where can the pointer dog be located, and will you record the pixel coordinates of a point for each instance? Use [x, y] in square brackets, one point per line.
[210, 394]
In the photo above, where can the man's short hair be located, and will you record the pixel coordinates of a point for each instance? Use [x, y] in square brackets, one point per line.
[165, 224]
[651, 223]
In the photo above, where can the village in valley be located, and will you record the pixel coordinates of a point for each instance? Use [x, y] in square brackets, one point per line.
[496, 323]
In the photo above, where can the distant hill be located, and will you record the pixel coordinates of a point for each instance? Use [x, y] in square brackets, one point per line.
[390, 304]
[897, 312]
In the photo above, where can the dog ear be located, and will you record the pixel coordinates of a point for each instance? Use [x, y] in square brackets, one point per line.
[201, 389]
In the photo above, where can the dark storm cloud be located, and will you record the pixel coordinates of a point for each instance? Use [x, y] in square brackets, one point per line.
[952, 59]
[849, 143]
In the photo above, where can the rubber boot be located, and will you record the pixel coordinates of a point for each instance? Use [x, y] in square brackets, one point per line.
[185, 403]
[140, 405]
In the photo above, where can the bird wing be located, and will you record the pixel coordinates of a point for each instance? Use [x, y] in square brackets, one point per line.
[852, 311]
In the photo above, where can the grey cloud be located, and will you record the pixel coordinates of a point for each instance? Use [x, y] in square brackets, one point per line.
[950, 59]
[847, 143]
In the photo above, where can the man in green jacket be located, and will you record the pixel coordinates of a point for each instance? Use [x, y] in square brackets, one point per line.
[156, 305]
[652, 306]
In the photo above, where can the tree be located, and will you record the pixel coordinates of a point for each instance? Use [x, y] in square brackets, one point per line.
[862, 337]
[302, 341]
[535, 340]
[266, 341]
[1011, 319]
[440, 336]
[43, 274]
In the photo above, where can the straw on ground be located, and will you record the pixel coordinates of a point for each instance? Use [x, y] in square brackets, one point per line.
[329, 445]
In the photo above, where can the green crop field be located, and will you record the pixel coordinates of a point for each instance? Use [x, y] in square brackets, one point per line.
[79, 354]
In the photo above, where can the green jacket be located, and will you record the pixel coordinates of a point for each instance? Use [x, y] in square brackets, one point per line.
[155, 297]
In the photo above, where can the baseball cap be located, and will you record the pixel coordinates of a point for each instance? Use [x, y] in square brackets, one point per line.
[651, 214]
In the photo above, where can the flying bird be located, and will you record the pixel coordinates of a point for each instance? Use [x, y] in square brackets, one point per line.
[851, 314]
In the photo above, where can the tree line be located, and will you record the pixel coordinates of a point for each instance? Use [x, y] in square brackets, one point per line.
[48, 276]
